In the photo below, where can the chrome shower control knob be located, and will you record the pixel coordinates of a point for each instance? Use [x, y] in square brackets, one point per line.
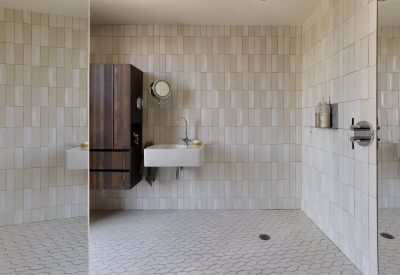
[363, 133]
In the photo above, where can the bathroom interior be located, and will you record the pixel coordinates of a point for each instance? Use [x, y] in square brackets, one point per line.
[199, 137]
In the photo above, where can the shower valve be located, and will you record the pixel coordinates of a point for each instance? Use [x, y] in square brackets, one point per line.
[363, 133]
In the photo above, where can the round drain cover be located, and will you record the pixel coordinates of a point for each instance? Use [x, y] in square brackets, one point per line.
[387, 236]
[264, 237]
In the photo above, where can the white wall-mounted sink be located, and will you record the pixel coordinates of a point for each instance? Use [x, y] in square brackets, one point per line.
[172, 155]
[77, 158]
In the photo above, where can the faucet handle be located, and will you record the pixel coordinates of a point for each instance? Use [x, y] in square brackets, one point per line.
[185, 140]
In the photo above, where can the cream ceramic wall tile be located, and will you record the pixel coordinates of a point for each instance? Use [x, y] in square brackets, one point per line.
[338, 53]
[221, 75]
[388, 116]
[29, 67]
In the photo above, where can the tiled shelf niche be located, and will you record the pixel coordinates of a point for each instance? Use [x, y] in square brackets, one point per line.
[334, 118]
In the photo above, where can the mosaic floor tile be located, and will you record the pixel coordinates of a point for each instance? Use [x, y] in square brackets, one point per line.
[45, 248]
[211, 242]
[389, 250]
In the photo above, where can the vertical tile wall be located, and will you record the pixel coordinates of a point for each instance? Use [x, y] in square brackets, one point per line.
[339, 184]
[239, 87]
[43, 112]
[388, 114]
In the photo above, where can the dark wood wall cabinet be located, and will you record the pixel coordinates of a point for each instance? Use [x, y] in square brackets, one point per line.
[115, 157]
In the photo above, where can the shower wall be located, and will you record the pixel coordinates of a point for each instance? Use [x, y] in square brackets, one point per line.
[239, 88]
[43, 112]
[339, 184]
[388, 115]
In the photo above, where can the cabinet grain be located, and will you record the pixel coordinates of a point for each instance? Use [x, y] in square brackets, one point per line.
[114, 157]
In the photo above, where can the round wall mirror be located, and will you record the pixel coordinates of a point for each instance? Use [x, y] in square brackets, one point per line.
[160, 91]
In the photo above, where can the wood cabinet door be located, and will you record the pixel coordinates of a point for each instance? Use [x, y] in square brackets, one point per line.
[101, 106]
[110, 180]
[122, 94]
[110, 160]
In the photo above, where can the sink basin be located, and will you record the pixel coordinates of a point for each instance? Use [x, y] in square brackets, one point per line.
[77, 158]
[172, 155]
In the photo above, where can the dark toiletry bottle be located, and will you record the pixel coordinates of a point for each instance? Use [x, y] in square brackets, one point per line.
[136, 138]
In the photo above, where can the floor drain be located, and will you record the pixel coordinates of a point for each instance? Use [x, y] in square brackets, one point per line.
[387, 236]
[264, 237]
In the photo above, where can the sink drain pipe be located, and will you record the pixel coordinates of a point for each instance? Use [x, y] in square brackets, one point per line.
[178, 171]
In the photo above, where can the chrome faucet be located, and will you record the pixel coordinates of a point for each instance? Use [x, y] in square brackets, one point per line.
[186, 139]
